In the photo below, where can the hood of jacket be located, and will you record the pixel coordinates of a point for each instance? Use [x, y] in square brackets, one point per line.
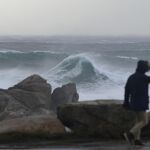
[142, 66]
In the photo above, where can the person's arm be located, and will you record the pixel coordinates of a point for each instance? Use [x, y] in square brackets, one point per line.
[127, 95]
[147, 78]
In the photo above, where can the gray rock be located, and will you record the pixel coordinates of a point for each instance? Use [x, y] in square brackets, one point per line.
[34, 83]
[65, 94]
[30, 97]
[4, 99]
[25, 110]
[100, 118]
[42, 125]
[34, 87]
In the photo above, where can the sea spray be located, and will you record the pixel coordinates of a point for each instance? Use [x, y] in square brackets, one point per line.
[98, 65]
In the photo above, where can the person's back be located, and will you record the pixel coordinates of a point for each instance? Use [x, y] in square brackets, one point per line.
[137, 90]
[137, 99]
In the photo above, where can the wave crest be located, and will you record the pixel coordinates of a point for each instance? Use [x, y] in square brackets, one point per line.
[76, 68]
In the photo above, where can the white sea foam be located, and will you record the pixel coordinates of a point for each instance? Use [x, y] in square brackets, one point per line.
[106, 84]
[126, 57]
[5, 51]
[100, 74]
[94, 80]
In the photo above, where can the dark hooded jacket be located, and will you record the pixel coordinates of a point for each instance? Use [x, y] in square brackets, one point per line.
[136, 89]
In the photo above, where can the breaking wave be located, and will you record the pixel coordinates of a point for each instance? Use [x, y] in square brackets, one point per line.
[78, 69]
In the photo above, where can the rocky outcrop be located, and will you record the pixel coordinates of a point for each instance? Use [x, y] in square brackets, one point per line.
[25, 110]
[36, 88]
[100, 118]
[30, 97]
[65, 94]
[34, 83]
[42, 125]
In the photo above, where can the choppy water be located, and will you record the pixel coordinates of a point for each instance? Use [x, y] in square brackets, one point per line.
[98, 65]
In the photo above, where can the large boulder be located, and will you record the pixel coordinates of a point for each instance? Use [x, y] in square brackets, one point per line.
[25, 110]
[36, 88]
[65, 94]
[30, 97]
[39, 126]
[34, 83]
[100, 118]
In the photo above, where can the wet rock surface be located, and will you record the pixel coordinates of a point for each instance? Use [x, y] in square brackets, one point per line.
[29, 97]
[41, 125]
[65, 94]
[25, 110]
[100, 118]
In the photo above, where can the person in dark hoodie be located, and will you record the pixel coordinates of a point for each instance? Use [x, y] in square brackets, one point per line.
[136, 99]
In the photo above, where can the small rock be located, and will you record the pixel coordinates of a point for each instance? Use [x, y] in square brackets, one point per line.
[65, 94]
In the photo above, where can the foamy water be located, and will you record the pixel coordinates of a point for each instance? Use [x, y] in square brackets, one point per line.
[98, 66]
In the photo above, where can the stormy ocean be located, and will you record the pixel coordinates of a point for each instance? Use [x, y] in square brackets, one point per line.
[98, 65]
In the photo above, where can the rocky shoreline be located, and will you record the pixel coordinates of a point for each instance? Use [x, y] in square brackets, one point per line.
[28, 109]
[31, 111]
[104, 119]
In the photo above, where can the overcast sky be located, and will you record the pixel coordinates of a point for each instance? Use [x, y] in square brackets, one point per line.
[79, 17]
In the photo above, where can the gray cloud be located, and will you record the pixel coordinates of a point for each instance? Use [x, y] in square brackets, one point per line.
[79, 17]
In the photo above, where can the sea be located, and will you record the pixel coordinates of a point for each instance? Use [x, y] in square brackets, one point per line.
[98, 65]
